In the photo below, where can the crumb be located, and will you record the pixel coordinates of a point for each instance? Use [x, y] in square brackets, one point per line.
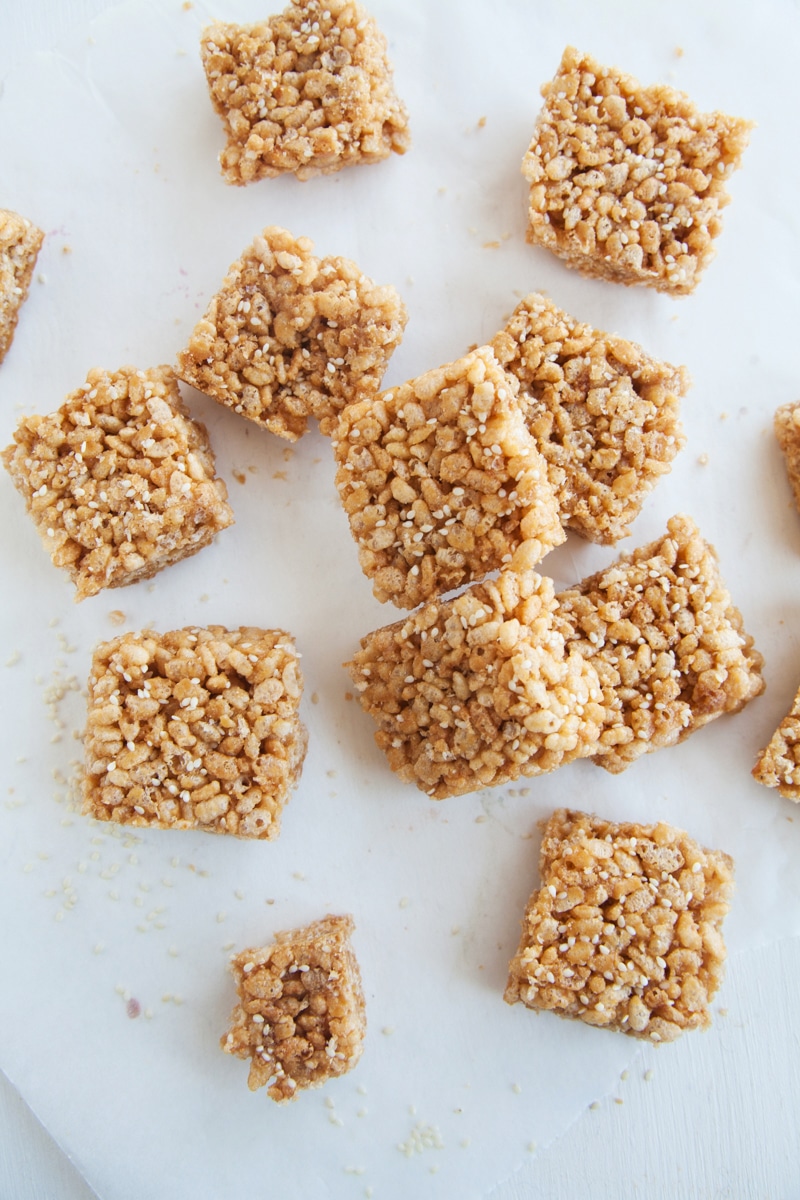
[481, 122]
[282, 475]
[625, 930]
[116, 616]
[315, 697]
[702, 459]
[627, 183]
[492, 245]
[239, 476]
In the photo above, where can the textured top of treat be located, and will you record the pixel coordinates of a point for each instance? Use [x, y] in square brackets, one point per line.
[604, 414]
[778, 765]
[290, 335]
[195, 728]
[668, 643]
[307, 91]
[119, 480]
[625, 932]
[479, 690]
[20, 242]
[627, 182]
[300, 1017]
[442, 481]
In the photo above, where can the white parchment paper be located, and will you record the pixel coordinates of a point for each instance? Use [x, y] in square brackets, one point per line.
[110, 145]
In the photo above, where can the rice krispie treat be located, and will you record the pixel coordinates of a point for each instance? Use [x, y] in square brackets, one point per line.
[307, 91]
[479, 690]
[194, 729]
[626, 930]
[300, 1018]
[668, 644]
[120, 480]
[604, 414]
[787, 431]
[627, 183]
[20, 242]
[290, 336]
[442, 482]
[778, 763]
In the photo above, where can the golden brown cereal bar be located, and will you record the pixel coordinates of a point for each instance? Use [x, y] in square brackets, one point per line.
[604, 414]
[120, 480]
[625, 931]
[307, 91]
[194, 729]
[301, 1017]
[627, 182]
[787, 431]
[290, 336]
[20, 242]
[668, 644]
[479, 690]
[778, 763]
[442, 482]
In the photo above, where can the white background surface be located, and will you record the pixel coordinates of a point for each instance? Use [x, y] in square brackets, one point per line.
[716, 1118]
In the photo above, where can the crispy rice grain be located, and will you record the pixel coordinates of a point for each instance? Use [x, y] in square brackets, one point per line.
[301, 1015]
[479, 690]
[194, 729]
[290, 336]
[307, 91]
[668, 644]
[778, 764]
[120, 480]
[787, 431]
[442, 483]
[604, 414]
[625, 932]
[627, 183]
[20, 242]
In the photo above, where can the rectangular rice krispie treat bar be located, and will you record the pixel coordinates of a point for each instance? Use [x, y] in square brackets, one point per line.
[194, 729]
[301, 1016]
[628, 182]
[778, 764]
[442, 483]
[20, 242]
[625, 931]
[120, 480]
[290, 336]
[668, 644]
[307, 91]
[604, 414]
[479, 690]
[787, 431]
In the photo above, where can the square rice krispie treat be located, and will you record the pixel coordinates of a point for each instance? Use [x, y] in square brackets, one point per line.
[479, 690]
[442, 482]
[194, 729]
[120, 480]
[604, 414]
[668, 644]
[300, 1018]
[625, 931]
[778, 764]
[307, 91]
[290, 336]
[787, 431]
[20, 242]
[627, 182]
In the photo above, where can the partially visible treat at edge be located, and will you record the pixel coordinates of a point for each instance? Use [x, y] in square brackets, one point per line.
[628, 182]
[787, 431]
[198, 728]
[301, 1017]
[605, 415]
[778, 764]
[625, 931]
[20, 242]
[668, 644]
[291, 336]
[306, 91]
[120, 480]
[442, 483]
[479, 690]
